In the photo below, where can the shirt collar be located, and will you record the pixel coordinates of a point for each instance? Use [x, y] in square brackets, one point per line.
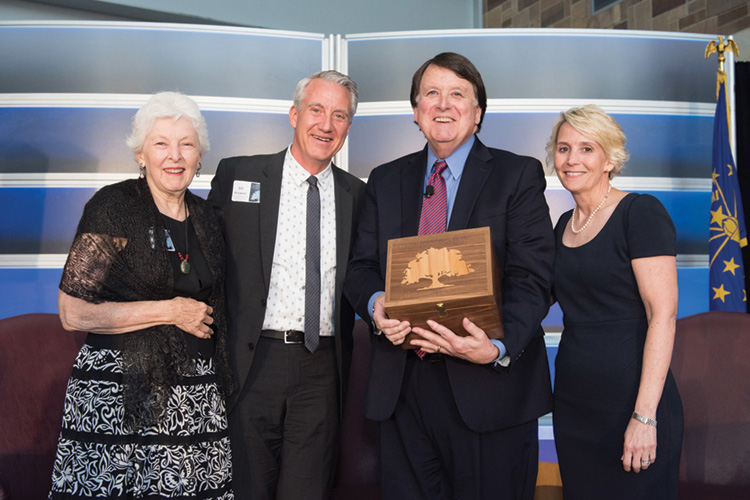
[455, 161]
[299, 175]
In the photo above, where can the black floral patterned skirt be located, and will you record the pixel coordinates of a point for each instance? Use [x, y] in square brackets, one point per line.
[187, 455]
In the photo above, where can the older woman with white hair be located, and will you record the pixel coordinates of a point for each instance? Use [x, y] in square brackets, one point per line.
[615, 278]
[144, 410]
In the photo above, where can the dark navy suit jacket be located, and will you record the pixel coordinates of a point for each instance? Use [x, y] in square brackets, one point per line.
[497, 189]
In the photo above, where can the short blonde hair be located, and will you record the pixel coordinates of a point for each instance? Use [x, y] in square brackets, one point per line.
[591, 121]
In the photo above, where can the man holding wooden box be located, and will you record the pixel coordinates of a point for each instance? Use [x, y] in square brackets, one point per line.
[458, 416]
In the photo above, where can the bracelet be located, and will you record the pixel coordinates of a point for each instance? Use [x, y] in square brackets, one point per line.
[644, 420]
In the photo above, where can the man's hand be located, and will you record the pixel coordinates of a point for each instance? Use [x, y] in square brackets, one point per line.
[475, 347]
[395, 330]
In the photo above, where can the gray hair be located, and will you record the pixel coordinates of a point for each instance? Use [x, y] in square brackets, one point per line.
[591, 121]
[330, 76]
[173, 105]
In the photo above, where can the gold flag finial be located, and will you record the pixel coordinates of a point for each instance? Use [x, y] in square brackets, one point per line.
[720, 49]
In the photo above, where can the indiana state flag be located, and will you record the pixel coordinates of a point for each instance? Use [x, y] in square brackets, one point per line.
[727, 228]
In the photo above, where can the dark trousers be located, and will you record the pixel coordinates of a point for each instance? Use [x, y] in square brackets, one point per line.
[284, 427]
[427, 452]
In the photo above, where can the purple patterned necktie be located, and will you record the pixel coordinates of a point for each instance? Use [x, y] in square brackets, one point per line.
[434, 210]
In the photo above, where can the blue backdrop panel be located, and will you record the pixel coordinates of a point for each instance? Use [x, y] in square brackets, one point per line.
[689, 211]
[143, 59]
[41, 220]
[60, 140]
[596, 64]
[44, 220]
[25, 291]
[693, 283]
[659, 145]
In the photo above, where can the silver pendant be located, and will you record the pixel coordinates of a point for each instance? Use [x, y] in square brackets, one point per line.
[185, 267]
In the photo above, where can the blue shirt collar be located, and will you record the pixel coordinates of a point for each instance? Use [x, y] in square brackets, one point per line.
[455, 162]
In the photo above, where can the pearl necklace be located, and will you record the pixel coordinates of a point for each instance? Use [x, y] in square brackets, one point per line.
[573, 217]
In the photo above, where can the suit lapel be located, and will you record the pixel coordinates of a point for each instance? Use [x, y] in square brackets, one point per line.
[475, 174]
[344, 210]
[269, 212]
[412, 184]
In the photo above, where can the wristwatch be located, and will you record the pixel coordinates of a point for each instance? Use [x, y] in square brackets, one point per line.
[644, 420]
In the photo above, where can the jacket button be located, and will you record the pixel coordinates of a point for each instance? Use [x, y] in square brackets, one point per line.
[251, 345]
[263, 302]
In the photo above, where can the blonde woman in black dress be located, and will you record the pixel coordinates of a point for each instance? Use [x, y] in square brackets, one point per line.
[618, 416]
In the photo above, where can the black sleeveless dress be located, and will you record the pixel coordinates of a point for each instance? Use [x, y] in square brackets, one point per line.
[598, 365]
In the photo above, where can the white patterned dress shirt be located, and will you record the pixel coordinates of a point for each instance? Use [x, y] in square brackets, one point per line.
[285, 307]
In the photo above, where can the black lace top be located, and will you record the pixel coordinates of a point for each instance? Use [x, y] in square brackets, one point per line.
[119, 254]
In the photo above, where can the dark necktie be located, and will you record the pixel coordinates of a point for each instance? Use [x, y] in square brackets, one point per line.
[434, 215]
[312, 266]
[435, 207]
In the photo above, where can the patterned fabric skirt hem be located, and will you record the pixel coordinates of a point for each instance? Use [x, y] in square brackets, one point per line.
[186, 455]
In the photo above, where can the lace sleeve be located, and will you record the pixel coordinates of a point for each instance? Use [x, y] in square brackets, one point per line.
[89, 261]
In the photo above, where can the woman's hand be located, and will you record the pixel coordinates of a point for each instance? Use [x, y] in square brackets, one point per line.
[192, 316]
[639, 450]
[122, 317]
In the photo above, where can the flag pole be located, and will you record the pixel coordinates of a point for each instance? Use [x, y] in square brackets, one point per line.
[727, 230]
[731, 49]
[731, 96]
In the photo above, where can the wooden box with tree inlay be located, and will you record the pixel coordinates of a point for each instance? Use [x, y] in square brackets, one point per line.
[445, 277]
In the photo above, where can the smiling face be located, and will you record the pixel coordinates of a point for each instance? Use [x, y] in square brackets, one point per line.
[321, 124]
[446, 110]
[171, 155]
[581, 163]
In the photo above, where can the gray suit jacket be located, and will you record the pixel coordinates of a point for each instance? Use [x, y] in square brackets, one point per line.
[250, 235]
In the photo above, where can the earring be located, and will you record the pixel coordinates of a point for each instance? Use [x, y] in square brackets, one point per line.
[143, 171]
[198, 172]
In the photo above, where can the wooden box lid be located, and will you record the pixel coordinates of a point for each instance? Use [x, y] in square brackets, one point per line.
[445, 277]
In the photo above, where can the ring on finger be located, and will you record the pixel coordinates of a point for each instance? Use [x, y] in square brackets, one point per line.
[438, 349]
[645, 462]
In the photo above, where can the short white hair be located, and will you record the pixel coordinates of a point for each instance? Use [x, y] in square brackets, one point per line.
[173, 105]
[333, 77]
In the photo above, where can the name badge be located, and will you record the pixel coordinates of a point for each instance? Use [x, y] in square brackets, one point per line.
[168, 238]
[246, 192]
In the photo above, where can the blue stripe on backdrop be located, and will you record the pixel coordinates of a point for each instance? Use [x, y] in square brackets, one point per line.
[689, 211]
[80, 140]
[660, 145]
[50, 216]
[28, 290]
[44, 220]
[35, 290]
[25, 291]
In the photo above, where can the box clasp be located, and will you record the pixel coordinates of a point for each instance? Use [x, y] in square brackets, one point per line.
[441, 309]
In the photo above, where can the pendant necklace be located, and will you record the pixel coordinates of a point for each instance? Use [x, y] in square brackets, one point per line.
[184, 264]
[573, 217]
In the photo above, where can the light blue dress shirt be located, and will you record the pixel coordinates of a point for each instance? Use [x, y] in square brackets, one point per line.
[452, 176]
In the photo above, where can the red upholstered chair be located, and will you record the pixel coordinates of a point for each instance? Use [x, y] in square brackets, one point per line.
[711, 364]
[36, 359]
[357, 472]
